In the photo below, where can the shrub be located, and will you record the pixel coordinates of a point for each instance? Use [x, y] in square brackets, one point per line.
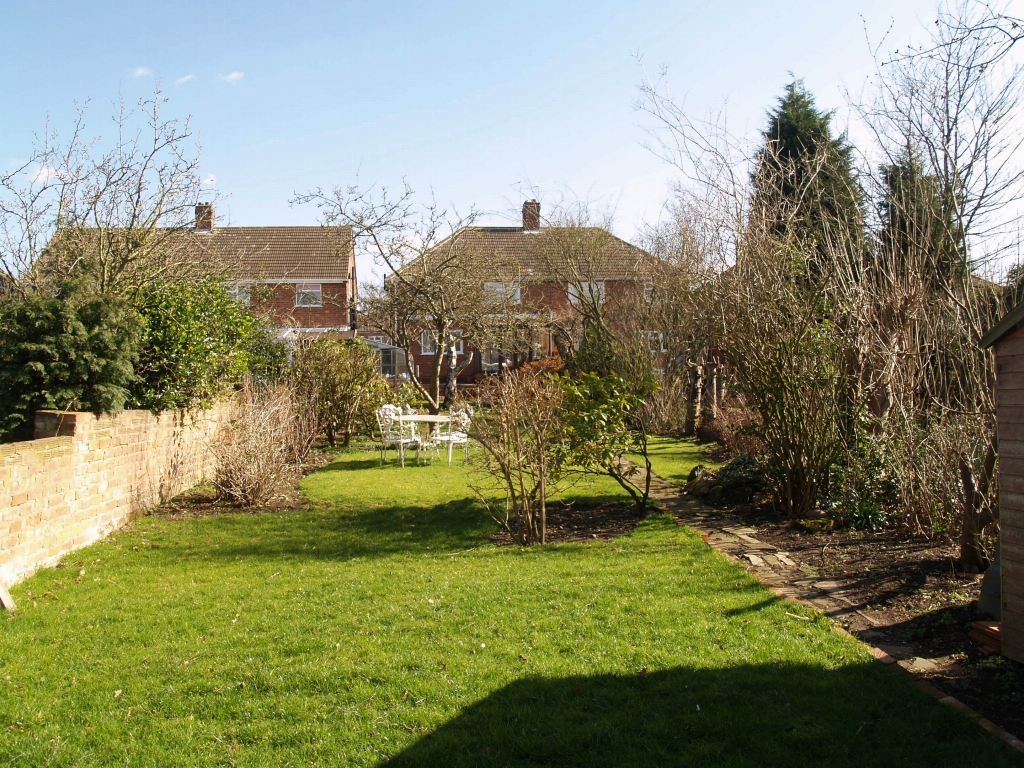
[665, 409]
[733, 429]
[340, 381]
[254, 448]
[738, 481]
[520, 432]
[197, 343]
[268, 355]
[71, 352]
[604, 422]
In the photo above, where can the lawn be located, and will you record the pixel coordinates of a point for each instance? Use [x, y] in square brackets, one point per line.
[673, 459]
[382, 623]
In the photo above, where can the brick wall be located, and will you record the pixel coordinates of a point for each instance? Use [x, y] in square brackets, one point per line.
[84, 476]
[334, 312]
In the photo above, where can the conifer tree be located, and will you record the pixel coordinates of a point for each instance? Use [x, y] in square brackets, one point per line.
[805, 175]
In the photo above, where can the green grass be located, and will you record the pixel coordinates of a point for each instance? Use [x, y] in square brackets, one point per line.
[672, 459]
[383, 623]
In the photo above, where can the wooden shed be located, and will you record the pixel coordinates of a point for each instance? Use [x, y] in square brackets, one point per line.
[1007, 340]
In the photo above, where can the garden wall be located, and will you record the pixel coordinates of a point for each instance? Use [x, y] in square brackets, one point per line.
[83, 476]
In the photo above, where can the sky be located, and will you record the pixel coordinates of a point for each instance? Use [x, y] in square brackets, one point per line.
[482, 105]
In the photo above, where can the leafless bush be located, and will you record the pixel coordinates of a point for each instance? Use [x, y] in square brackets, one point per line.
[733, 428]
[665, 410]
[255, 449]
[519, 429]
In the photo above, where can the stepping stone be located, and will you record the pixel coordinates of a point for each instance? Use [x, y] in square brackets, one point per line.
[924, 665]
[755, 544]
[870, 634]
[897, 651]
[830, 586]
[784, 559]
[754, 559]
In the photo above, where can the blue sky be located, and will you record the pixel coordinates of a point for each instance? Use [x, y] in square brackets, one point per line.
[475, 101]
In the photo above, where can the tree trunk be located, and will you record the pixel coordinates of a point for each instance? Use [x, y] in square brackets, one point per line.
[709, 395]
[451, 386]
[977, 514]
[693, 388]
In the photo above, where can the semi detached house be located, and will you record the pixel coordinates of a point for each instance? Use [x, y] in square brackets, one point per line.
[304, 278]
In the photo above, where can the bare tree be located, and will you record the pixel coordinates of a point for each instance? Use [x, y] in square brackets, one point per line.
[108, 210]
[946, 118]
[435, 290]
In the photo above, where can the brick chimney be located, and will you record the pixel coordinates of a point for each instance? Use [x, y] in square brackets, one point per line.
[531, 216]
[204, 216]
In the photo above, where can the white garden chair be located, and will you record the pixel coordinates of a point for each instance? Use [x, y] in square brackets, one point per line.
[457, 432]
[393, 431]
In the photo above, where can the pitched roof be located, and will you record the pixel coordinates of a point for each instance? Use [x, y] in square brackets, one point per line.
[280, 253]
[548, 253]
[1011, 320]
[287, 254]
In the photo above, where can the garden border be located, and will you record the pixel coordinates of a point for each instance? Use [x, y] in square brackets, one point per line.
[669, 494]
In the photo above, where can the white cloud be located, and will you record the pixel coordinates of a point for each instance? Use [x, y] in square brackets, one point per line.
[142, 72]
[210, 181]
[234, 77]
[43, 174]
[185, 79]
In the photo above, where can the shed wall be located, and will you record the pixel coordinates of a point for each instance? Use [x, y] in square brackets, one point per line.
[1010, 414]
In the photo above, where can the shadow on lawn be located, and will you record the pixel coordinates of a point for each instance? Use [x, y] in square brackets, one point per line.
[784, 715]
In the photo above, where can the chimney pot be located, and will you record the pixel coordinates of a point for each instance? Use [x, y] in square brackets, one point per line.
[204, 216]
[531, 215]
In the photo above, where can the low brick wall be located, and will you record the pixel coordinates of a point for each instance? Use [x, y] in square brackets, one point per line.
[84, 476]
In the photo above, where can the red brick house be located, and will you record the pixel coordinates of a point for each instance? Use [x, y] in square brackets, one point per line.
[303, 279]
[532, 253]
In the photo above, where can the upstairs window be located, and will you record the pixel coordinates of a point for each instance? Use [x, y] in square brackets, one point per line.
[309, 295]
[593, 292]
[498, 293]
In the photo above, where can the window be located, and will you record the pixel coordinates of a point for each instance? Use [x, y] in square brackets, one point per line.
[309, 295]
[586, 291]
[428, 342]
[497, 293]
[656, 341]
[240, 292]
[648, 293]
[490, 361]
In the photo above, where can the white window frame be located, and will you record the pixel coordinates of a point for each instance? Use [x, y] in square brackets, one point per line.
[497, 292]
[428, 343]
[309, 295]
[490, 360]
[588, 290]
[656, 342]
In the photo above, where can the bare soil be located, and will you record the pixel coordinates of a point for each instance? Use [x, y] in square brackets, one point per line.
[570, 522]
[909, 599]
[203, 500]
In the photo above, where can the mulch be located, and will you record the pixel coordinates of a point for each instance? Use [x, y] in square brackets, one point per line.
[572, 522]
[920, 604]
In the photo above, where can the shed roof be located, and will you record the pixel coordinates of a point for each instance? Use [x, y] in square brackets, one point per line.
[1011, 320]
